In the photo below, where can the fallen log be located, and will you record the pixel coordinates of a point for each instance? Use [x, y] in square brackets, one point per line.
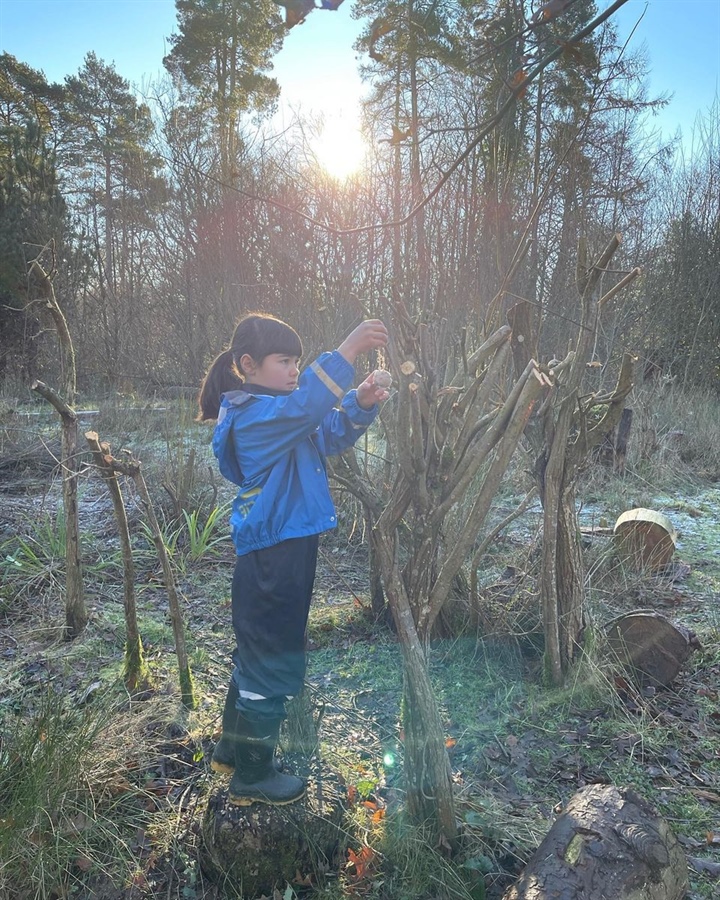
[256, 850]
[607, 844]
[651, 647]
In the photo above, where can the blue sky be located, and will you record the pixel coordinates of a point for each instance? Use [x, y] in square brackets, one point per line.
[317, 67]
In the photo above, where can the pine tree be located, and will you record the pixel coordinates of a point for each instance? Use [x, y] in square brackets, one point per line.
[32, 210]
[222, 52]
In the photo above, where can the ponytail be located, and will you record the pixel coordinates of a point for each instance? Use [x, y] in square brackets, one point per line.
[222, 376]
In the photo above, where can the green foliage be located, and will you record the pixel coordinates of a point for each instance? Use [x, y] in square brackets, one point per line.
[194, 539]
[204, 537]
[33, 563]
[684, 339]
[36, 562]
[221, 52]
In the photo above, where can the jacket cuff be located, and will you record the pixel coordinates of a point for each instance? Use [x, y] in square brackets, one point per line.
[357, 414]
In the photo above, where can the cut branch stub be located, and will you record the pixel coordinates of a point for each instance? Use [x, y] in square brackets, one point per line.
[650, 647]
[645, 538]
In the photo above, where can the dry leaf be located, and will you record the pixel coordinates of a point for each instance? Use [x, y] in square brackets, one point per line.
[360, 861]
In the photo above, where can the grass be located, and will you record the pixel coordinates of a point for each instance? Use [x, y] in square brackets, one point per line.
[61, 821]
[109, 799]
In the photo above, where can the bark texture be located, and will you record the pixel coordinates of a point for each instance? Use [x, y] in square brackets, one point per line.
[608, 844]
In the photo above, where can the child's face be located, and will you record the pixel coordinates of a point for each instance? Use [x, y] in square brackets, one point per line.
[277, 371]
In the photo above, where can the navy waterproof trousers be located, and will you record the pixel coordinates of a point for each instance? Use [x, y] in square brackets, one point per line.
[271, 593]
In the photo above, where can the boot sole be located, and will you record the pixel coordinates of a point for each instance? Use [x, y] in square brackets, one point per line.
[248, 801]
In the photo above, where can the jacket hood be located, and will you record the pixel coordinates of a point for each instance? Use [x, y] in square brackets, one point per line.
[222, 442]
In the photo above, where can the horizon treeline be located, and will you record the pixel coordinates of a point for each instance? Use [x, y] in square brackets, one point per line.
[164, 217]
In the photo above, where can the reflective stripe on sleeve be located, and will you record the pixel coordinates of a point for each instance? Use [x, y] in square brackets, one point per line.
[327, 380]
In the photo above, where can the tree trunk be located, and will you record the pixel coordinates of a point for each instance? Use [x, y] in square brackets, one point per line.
[571, 577]
[75, 610]
[608, 844]
[426, 766]
[563, 440]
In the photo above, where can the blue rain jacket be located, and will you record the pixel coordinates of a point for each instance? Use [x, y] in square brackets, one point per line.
[274, 448]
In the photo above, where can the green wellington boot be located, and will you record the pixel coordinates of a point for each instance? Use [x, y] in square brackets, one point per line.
[223, 758]
[256, 780]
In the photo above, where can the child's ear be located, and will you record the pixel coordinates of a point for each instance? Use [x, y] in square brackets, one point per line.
[247, 364]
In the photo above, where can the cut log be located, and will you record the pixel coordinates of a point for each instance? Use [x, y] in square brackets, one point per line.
[608, 844]
[257, 849]
[650, 646]
[645, 538]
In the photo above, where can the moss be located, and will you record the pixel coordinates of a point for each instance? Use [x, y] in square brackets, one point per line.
[136, 674]
[187, 689]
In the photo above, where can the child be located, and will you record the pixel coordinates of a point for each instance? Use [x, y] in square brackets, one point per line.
[274, 428]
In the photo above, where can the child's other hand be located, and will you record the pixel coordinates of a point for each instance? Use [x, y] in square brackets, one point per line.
[369, 393]
[368, 335]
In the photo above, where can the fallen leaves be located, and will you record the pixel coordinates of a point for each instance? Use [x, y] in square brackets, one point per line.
[360, 865]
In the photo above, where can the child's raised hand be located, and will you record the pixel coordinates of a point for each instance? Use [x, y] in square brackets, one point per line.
[368, 335]
[374, 389]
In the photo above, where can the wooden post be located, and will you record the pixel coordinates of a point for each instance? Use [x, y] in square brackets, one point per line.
[132, 468]
[135, 672]
[75, 610]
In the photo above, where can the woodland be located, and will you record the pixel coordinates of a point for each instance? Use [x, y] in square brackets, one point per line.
[549, 271]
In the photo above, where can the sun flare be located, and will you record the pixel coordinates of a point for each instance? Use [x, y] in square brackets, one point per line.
[340, 148]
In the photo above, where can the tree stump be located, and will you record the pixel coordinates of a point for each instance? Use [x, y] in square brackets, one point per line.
[645, 538]
[650, 646]
[608, 844]
[254, 849]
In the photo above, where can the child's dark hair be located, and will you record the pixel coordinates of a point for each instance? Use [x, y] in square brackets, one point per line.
[256, 334]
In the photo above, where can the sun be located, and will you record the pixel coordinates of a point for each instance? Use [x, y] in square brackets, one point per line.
[339, 148]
